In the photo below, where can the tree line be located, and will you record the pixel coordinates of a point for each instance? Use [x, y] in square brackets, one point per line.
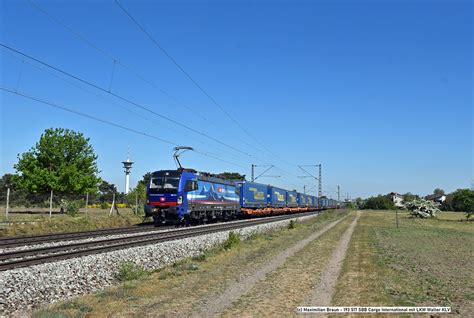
[461, 200]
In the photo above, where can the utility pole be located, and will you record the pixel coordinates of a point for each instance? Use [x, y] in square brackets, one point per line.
[254, 178]
[8, 203]
[304, 189]
[320, 182]
[338, 195]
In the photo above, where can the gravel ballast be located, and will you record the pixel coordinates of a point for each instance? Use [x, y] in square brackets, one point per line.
[25, 289]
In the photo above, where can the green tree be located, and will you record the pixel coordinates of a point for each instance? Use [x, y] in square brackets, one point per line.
[145, 179]
[463, 200]
[359, 203]
[106, 191]
[438, 191]
[408, 197]
[8, 180]
[62, 161]
[137, 194]
[231, 176]
[380, 202]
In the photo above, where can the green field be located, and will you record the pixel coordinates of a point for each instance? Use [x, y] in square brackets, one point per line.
[423, 262]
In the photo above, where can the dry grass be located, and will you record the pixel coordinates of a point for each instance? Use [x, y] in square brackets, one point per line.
[424, 262]
[30, 224]
[287, 287]
[179, 289]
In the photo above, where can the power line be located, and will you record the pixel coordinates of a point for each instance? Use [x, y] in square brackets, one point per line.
[125, 99]
[117, 61]
[103, 121]
[130, 102]
[70, 82]
[85, 115]
[175, 62]
[113, 58]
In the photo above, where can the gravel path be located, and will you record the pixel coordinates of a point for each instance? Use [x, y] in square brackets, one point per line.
[217, 303]
[26, 289]
[325, 290]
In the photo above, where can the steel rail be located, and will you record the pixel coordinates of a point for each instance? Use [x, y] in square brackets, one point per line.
[15, 241]
[24, 258]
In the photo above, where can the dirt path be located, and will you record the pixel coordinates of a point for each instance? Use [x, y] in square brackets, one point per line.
[217, 303]
[323, 293]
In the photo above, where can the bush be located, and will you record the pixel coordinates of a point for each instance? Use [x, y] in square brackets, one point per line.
[422, 208]
[233, 240]
[380, 202]
[463, 200]
[129, 271]
[292, 224]
[71, 207]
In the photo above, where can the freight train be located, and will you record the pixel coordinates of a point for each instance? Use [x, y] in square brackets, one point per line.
[185, 196]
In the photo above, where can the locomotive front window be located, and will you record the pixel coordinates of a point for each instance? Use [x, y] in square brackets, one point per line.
[164, 184]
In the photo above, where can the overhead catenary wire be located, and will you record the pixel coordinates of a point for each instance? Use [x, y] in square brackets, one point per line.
[122, 64]
[107, 122]
[117, 104]
[188, 75]
[64, 108]
[113, 58]
[117, 61]
[126, 100]
[61, 71]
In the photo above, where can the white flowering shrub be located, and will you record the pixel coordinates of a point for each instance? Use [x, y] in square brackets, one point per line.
[421, 208]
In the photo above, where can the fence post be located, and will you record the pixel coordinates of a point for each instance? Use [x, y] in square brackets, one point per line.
[397, 216]
[87, 200]
[113, 203]
[8, 204]
[136, 202]
[51, 203]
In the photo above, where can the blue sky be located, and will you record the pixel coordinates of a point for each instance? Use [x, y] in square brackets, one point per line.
[379, 92]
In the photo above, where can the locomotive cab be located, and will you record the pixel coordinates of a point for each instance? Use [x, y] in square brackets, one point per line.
[166, 193]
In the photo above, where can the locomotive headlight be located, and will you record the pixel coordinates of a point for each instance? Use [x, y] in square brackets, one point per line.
[180, 199]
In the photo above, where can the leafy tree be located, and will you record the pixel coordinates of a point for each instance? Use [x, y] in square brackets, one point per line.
[106, 191]
[438, 191]
[139, 192]
[231, 176]
[146, 179]
[408, 197]
[8, 180]
[380, 202]
[463, 200]
[17, 196]
[62, 161]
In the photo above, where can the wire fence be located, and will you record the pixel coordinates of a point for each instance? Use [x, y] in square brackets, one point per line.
[21, 201]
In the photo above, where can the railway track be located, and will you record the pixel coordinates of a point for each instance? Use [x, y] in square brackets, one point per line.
[9, 242]
[29, 257]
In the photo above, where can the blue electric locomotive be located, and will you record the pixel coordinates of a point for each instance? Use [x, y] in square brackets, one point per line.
[183, 195]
